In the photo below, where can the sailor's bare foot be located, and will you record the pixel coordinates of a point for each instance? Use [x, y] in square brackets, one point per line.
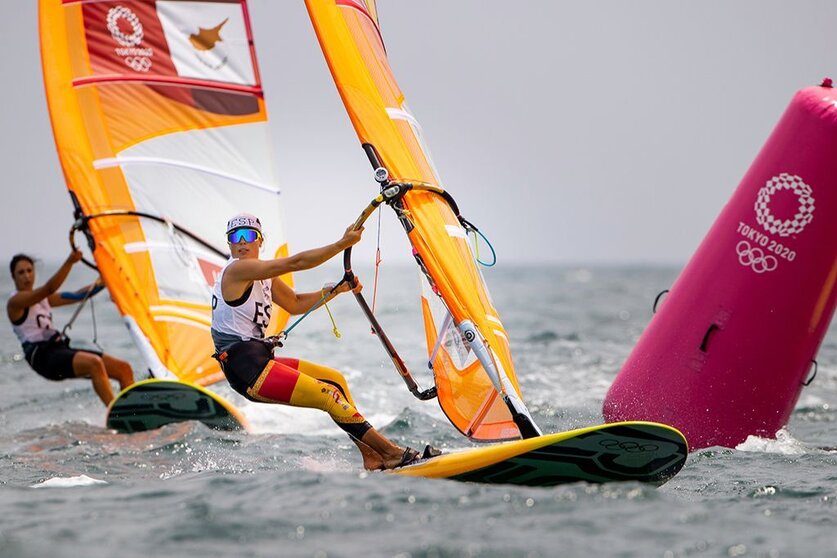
[391, 454]
[373, 463]
[405, 457]
[372, 460]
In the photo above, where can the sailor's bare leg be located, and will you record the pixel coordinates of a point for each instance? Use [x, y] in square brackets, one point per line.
[90, 365]
[119, 370]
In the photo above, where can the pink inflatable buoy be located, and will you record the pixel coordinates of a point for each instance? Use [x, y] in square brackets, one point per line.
[733, 342]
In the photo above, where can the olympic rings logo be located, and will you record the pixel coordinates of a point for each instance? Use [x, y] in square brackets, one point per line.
[755, 258]
[161, 397]
[628, 447]
[123, 13]
[804, 212]
[138, 63]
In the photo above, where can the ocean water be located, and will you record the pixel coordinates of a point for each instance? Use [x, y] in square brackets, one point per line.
[295, 486]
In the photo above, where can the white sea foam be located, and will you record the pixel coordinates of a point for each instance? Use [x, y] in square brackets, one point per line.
[68, 482]
[280, 419]
[327, 465]
[784, 444]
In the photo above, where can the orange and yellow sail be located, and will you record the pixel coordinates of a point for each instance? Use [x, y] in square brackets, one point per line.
[455, 301]
[161, 128]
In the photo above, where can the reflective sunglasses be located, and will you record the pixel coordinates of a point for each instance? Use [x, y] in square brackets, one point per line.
[248, 235]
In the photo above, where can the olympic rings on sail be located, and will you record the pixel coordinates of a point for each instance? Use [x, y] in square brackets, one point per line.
[138, 63]
[755, 258]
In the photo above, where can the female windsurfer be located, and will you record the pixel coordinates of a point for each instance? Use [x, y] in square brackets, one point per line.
[241, 303]
[46, 350]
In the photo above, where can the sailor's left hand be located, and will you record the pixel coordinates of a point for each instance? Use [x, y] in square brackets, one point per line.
[75, 256]
[344, 287]
[350, 237]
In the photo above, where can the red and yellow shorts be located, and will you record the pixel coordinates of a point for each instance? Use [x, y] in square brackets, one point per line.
[296, 382]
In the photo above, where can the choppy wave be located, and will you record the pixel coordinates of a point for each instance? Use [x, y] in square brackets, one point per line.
[295, 486]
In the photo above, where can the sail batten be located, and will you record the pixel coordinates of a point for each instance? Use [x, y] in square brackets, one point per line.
[123, 161]
[133, 247]
[164, 80]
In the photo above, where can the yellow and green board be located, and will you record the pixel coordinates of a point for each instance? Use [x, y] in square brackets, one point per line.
[624, 451]
[153, 403]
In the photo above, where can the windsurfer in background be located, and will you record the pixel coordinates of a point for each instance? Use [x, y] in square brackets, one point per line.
[46, 350]
[241, 303]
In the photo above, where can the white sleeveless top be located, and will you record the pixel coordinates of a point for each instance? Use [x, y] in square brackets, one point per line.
[36, 325]
[248, 317]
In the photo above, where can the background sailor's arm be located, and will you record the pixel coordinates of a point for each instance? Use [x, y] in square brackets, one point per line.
[71, 297]
[24, 299]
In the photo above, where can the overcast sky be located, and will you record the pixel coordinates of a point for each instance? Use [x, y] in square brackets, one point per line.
[569, 131]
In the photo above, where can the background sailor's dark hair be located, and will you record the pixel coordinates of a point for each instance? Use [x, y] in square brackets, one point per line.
[19, 258]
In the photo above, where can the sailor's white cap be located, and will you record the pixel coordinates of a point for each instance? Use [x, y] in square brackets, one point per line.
[243, 220]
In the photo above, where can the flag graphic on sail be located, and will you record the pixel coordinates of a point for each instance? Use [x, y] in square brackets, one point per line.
[161, 129]
[467, 344]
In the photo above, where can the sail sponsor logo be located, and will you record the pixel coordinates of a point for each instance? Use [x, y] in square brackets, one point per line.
[762, 251]
[126, 29]
[456, 344]
[208, 46]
